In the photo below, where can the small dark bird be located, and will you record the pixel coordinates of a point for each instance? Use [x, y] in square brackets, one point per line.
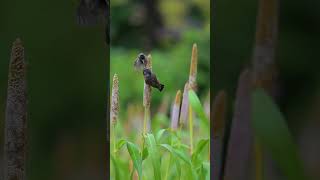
[92, 12]
[152, 80]
[141, 62]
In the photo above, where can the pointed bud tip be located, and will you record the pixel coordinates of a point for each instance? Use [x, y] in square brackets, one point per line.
[178, 98]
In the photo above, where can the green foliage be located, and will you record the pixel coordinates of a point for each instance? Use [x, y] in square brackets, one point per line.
[272, 131]
[196, 105]
[135, 157]
[154, 155]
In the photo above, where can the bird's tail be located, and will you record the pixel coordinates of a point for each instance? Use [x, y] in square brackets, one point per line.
[161, 86]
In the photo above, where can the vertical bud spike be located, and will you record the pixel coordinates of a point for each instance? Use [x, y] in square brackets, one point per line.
[193, 67]
[115, 100]
[16, 116]
[184, 105]
[175, 111]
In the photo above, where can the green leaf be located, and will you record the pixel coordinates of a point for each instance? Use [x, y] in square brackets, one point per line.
[196, 105]
[200, 146]
[184, 146]
[271, 130]
[120, 143]
[159, 134]
[177, 153]
[136, 158]
[155, 156]
[145, 153]
[178, 166]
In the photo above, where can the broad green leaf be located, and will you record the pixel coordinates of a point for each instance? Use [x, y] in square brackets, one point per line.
[155, 156]
[271, 129]
[196, 105]
[145, 153]
[136, 158]
[116, 169]
[200, 146]
[177, 153]
[159, 134]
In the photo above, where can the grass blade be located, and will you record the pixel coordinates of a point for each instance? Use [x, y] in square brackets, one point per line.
[271, 129]
[136, 158]
[177, 153]
[200, 146]
[159, 134]
[153, 151]
[196, 105]
[120, 144]
[178, 166]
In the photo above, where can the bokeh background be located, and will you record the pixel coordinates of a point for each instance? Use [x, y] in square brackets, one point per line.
[67, 73]
[297, 60]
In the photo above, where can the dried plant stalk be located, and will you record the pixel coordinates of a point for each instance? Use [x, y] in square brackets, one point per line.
[193, 67]
[218, 123]
[175, 111]
[241, 136]
[16, 116]
[114, 108]
[147, 88]
[184, 106]
[147, 97]
[115, 100]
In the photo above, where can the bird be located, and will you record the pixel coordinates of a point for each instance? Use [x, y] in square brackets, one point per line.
[92, 12]
[151, 79]
[141, 62]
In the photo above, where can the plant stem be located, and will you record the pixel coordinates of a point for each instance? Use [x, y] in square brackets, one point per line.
[168, 167]
[146, 117]
[114, 139]
[191, 129]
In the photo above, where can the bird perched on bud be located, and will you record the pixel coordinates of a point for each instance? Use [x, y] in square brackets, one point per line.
[151, 79]
[141, 62]
[92, 12]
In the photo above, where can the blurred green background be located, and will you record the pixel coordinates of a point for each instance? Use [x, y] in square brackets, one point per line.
[297, 58]
[67, 73]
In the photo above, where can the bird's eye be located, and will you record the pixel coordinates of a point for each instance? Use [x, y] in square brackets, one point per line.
[141, 56]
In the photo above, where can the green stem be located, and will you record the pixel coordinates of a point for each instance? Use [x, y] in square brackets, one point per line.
[114, 139]
[191, 129]
[168, 167]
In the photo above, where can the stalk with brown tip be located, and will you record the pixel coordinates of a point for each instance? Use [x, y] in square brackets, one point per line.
[193, 67]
